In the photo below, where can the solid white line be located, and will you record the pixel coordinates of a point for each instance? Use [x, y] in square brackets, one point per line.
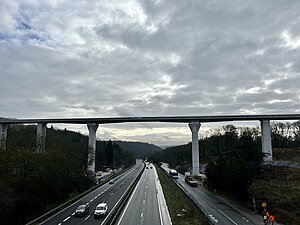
[66, 218]
[129, 200]
[227, 216]
[157, 183]
[87, 217]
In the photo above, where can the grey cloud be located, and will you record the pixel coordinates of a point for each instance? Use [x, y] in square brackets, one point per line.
[150, 58]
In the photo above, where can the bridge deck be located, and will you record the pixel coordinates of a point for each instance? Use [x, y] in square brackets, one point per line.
[169, 119]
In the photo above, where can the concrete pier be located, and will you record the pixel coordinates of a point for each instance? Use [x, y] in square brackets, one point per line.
[195, 126]
[91, 149]
[41, 137]
[3, 135]
[266, 140]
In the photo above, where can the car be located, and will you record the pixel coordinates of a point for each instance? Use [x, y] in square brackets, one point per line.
[101, 209]
[82, 209]
[111, 181]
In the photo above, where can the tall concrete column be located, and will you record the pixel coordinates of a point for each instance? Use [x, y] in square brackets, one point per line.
[266, 140]
[195, 126]
[3, 135]
[41, 137]
[91, 149]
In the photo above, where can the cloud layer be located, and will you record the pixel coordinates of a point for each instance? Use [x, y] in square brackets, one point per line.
[148, 58]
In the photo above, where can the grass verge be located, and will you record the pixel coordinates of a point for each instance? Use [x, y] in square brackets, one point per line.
[178, 202]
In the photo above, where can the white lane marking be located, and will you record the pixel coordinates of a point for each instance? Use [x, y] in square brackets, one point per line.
[145, 192]
[73, 213]
[96, 197]
[157, 184]
[142, 214]
[213, 218]
[111, 194]
[66, 218]
[87, 217]
[227, 216]
[246, 220]
[99, 195]
[144, 201]
[92, 200]
[59, 224]
[129, 200]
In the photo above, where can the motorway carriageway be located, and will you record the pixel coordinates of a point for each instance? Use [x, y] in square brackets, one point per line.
[109, 193]
[142, 207]
[218, 211]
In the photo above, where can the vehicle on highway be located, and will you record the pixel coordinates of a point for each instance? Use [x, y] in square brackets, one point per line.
[111, 181]
[173, 174]
[101, 209]
[82, 209]
[190, 181]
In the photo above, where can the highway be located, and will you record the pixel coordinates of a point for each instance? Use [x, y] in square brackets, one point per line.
[142, 207]
[218, 211]
[109, 193]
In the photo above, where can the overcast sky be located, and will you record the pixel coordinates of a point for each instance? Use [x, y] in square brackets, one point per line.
[66, 58]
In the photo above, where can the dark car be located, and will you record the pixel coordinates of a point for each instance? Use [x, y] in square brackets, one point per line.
[82, 209]
[111, 181]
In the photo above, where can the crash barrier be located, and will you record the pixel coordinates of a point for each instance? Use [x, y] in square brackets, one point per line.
[54, 211]
[209, 218]
[116, 211]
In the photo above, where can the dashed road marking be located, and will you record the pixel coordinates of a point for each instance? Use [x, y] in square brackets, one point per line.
[59, 224]
[213, 218]
[142, 214]
[66, 218]
[246, 220]
[87, 217]
[92, 200]
[73, 213]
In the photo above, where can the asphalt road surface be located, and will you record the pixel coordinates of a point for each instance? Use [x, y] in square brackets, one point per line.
[109, 193]
[218, 211]
[142, 207]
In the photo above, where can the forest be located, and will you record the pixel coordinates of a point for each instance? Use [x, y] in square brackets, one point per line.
[32, 183]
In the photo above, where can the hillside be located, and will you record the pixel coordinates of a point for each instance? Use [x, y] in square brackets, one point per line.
[138, 148]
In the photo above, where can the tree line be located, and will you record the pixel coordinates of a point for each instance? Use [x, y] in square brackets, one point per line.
[233, 153]
[32, 183]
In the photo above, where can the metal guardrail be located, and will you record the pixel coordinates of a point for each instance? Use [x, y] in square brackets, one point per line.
[112, 218]
[60, 207]
[209, 218]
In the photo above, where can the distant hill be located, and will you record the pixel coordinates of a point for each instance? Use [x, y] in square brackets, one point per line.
[138, 148]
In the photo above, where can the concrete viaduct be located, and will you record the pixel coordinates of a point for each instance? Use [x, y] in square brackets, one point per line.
[194, 123]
